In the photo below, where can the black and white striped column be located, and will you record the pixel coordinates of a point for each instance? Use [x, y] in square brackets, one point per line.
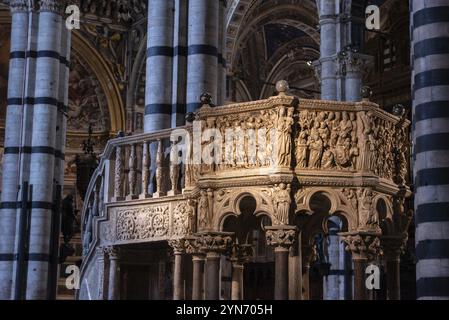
[160, 51]
[221, 72]
[202, 51]
[179, 64]
[43, 147]
[430, 38]
[10, 173]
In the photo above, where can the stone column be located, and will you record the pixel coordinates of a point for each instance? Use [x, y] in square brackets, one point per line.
[308, 255]
[281, 238]
[113, 254]
[43, 145]
[10, 172]
[392, 247]
[240, 255]
[178, 246]
[179, 64]
[352, 66]
[202, 51]
[198, 276]
[101, 267]
[328, 48]
[364, 247]
[214, 244]
[430, 63]
[192, 245]
[158, 91]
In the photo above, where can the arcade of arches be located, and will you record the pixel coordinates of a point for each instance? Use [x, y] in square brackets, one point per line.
[317, 181]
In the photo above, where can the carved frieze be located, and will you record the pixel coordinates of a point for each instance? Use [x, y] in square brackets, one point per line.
[142, 223]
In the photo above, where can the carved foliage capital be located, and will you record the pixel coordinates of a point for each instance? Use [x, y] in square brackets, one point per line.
[50, 6]
[18, 6]
[220, 242]
[393, 246]
[283, 236]
[178, 245]
[363, 245]
[241, 253]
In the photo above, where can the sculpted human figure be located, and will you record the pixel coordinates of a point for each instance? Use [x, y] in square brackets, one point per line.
[282, 200]
[316, 150]
[283, 136]
[301, 150]
[203, 210]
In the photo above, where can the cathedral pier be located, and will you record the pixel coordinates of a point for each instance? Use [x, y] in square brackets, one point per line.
[328, 48]
[10, 174]
[202, 51]
[158, 91]
[430, 85]
[281, 238]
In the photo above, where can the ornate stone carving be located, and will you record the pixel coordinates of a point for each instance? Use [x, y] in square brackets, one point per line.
[174, 168]
[50, 5]
[327, 140]
[284, 122]
[282, 236]
[281, 200]
[178, 245]
[121, 11]
[184, 218]
[142, 223]
[219, 242]
[368, 218]
[241, 253]
[18, 5]
[363, 245]
[205, 209]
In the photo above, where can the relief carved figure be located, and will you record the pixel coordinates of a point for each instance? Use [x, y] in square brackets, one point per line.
[282, 200]
[368, 219]
[284, 124]
[203, 210]
[327, 140]
[183, 218]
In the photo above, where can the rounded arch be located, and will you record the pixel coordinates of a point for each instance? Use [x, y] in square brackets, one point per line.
[340, 205]
[229, 204]
[105, 77]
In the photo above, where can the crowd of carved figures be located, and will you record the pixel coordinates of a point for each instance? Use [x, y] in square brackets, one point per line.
[327, 140]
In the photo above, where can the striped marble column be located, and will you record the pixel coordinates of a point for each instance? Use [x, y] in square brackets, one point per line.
[43, 146]
[202, 51]
[10, 173]
[221, 71]
[63, 100]
[328, 47]
[179, 64]
[430, 36]
[158, 91]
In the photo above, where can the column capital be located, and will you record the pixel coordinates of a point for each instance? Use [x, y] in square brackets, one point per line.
[353, 62]
[18, 6]
[281, 237]
[54, 6]
[393, 246]
[113, 252]
[178, 245]
[362, 245]
[214, 242]
[241, 253]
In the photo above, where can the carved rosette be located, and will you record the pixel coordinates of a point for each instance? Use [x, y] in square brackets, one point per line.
[363, 245]
[216, 242]
[281, 237]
